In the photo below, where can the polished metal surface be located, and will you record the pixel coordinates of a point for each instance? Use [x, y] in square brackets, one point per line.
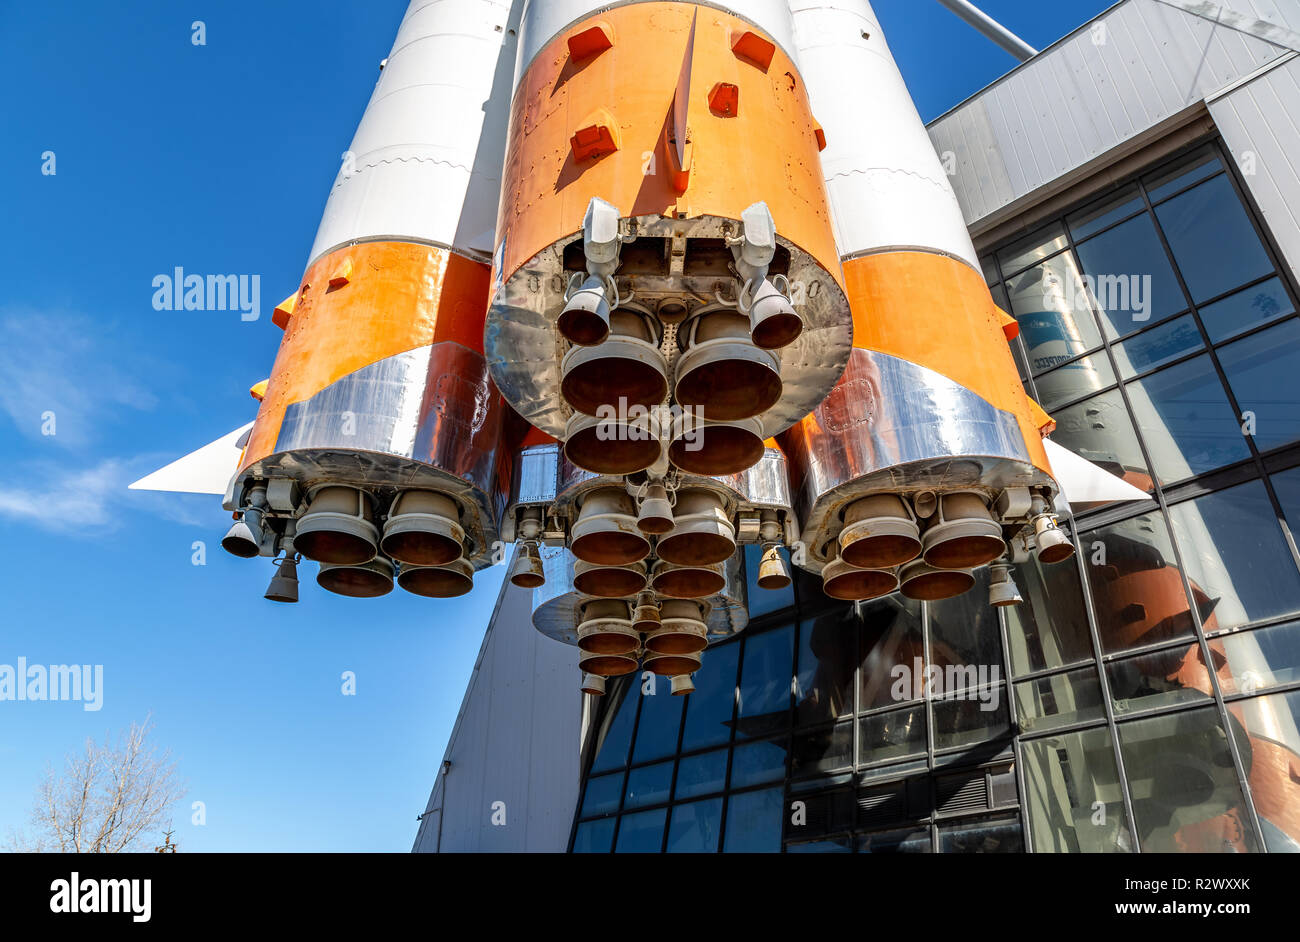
[555, 603]
[524, 348]
[429, 418]
[893, 426]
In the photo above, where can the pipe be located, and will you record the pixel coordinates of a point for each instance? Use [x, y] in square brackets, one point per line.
[991, 29]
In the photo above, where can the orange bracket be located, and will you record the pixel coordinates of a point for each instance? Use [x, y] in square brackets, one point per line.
[1045, 424]
[342, 275]
[591, 41]
[283, 311]
[819, 134]
[1010, 326]
[597, 139]
[724, 100]
[754, 48]
[258, 390]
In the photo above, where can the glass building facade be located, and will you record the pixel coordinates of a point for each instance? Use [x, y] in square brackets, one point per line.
[1146, 695]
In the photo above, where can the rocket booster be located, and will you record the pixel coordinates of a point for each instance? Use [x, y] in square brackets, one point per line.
[631, 286]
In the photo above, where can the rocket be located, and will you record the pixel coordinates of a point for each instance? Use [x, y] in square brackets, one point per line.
[632, 286]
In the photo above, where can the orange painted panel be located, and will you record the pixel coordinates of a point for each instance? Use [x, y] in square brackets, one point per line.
[768, 151]
[399, 296]
[937, 312]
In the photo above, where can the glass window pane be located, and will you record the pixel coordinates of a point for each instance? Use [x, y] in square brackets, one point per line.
[1246, 309]
[1157, 347]
[1130, 277]
[1213, 239]
[1162, 678]
[891, 636]
[1262, 371]
[763, 601]
[1186, 420]
[884, 737]
[1186, 798]
[979, 718]
[1268, 739]
[1105, 212]
[661, 719]
[1050, 629]
[904, 841]
[1240, 567]
[1033, 248]
[641, 833]
[987, 836]
[649, 785]
[758, 762]
[839, 845]
[1072, 697]
[765, 681]
[594, 837]
[823, 750]
[1181, 174]
[612, 751]
[1073, 797]
[754, 822]
[990, 269]
[695, 827]
[1287, 486]
[1254, 661]
[828, 654]
[702, 775]
[1055, 314]
[1074, 380]
[708, 709]
[966, 639]
[1137, 588]
[603, 793]
[1100, 430]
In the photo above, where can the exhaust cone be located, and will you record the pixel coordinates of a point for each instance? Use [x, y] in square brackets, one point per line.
[367, 580]
[963, 534]
[702, 533]
[585, 318]
[423, 529]
[628, 367]
[606, 665]
[773, 574]
[605, 532]
[527, 571]
[646, 617]
[840, 580]
[655, 515]
[593, 684]
[239, 541]
[606, 629]
[925, 583]
[721, 373]
[612, 446]
[681, 631]
[338, 528]
[715, 449]
[1054, 546]
[671, 665]
[688, 582]
[284, 584]
[608, 582]
[773, 321]
[683, 686]
[879, 533]
[438, 582]
[1002, 588]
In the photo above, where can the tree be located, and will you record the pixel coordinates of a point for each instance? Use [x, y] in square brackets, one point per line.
[112, 798]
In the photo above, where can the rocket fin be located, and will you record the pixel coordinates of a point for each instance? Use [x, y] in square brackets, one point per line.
[1082, 482]
[206, 471]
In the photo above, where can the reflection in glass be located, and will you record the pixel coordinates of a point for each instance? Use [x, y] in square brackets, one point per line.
[1130, 276]
[661, 719]
[1162, 678]
[1054, 310]
[641, 833]
[702, 774]
[1287, 486]
[1105, 212]
[1213, 239]
[1261, 370]
[708, 710]
[891, 635]
[765, 682]
[649, 785]
[902, 841]
[603, 793]
[754, 822]
[965, 638]
[822, 750]
[1158, 346]
[1186, 420]
[616, 728]
[763, 601]
[1269, 742]
[1137, 588]
[1235, 554]
[1072, 697]
[1259, 660]
[1181, 174]
[1033, 248]
[1100, 430]
[978, 719]
[987, 836]
[594, 837]
[835, 845]
[695, 827]
[1186, 798]
[1064, 383]
[758, 762]
[1066, 777]
[883, 737]
[828, 653]
[1246, 309]
[1050, 629]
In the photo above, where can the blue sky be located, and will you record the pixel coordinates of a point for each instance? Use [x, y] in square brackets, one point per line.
[218, 159]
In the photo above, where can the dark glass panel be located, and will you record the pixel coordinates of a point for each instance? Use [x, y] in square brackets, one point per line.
[603, 793]
[611, 753]
[1262, 371]
[1106, 211]
[1130, 277]
[758, 762]
[1181, 174]
[708, 709]
[965, 639]
[1264, 302]
[594, 837]
[987, 836]
[822, 750]
[1032, 248]
[1162, 678]
[641, 833]
[891, 637]
[1072, 795]
[695, 827]
[765, 680]
[1158, 346]
[978, 718]
[1050, 629]
[661, 719]
[1258, 660]
[1213, 239]
[1070, 382]
[754, 822]
[701, 775]
[1072, 697]
[903, 841]
[1186, 798]
[836, 845]
[898, 734]
[828, 652]
[1186, 420]
[649, 785]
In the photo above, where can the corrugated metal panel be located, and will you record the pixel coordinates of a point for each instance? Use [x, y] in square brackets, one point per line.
[1260, 123]
[1138, 65]
[515, 742]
